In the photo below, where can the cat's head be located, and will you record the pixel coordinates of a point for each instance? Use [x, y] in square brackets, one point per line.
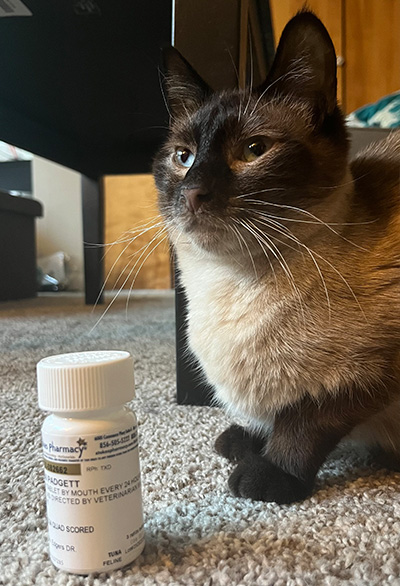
[236, 157]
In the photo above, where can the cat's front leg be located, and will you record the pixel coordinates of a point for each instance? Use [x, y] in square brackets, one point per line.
[236, 443]
[302, 437]
[241, 446]
[257, 478]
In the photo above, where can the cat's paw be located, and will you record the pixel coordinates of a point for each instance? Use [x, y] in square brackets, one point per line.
[385, 458]
[258, 479]
[235, 443]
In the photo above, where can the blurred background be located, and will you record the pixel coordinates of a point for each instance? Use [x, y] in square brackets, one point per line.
[227, 42]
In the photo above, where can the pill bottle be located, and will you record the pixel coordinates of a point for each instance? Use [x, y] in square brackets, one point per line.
[91, 461]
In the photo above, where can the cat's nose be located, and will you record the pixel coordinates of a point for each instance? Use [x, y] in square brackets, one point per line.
[194, 198]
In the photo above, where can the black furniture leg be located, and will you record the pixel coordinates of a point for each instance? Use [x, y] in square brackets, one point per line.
[93, 238]
[192, 388]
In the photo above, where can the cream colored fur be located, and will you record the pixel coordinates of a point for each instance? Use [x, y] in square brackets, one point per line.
[261, 342]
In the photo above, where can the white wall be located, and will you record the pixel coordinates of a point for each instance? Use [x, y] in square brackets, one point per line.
[60, 229]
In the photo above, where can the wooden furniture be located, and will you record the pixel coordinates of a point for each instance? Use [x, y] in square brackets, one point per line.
[80, 86]
[137, 255]
[366, 35]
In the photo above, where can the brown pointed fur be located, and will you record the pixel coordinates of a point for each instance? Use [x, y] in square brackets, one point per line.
[297, 331]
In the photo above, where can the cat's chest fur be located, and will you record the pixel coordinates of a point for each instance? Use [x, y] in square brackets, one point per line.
[240, 332]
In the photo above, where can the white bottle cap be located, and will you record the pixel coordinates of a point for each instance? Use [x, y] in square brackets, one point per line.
[85, 381]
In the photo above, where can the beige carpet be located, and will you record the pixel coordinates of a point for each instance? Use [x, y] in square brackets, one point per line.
[196, 533]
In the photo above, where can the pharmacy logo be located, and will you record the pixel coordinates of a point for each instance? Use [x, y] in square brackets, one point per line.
[75, 450]
[82, 445]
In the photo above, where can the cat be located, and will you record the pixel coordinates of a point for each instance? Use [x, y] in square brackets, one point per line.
[290, 259]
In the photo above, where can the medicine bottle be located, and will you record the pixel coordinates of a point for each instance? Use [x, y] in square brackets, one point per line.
[90, 448]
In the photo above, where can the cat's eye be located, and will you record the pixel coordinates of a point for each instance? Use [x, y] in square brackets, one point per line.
[254, 148]
[184, 157]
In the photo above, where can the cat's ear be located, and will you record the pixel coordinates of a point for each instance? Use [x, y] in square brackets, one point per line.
[186, 90]
[305, 64]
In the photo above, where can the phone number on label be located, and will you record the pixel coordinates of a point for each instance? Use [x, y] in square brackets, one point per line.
[114, 442]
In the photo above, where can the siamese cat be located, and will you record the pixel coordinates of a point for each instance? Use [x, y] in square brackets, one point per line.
[290, 259]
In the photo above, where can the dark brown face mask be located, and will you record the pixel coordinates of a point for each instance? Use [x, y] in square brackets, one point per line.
[283, 142]
[294, 253]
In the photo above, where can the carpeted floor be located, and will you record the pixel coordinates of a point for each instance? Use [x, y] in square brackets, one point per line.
[196, 533]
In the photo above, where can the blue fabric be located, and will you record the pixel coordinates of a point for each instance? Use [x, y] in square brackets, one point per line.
[385, 113]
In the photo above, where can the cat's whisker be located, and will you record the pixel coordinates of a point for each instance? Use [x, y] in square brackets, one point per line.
[123, 284]
[288, 234]
[262, 243]
[139, 231]
[284, 230]
[120, 276]
[154, 221]
[351, 181]
[247, 248]
[164, 97]
[163, 239]
[247, 104]
[310, 252]
[318, 220]
[315, 219]
[344, 281]
[300, 210]
[314, 254]
[251, 72]
[282, 261]
[145, 246]
[237, 234]
[251, 51]
[274, 216]
[231, 254]
[235, 69]
[240, 110]
[124, 236]
[263, 238]
[262, 202]
[179, 231]
[245, 195]
[108, 276]
[172, 229]
[125, 281]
